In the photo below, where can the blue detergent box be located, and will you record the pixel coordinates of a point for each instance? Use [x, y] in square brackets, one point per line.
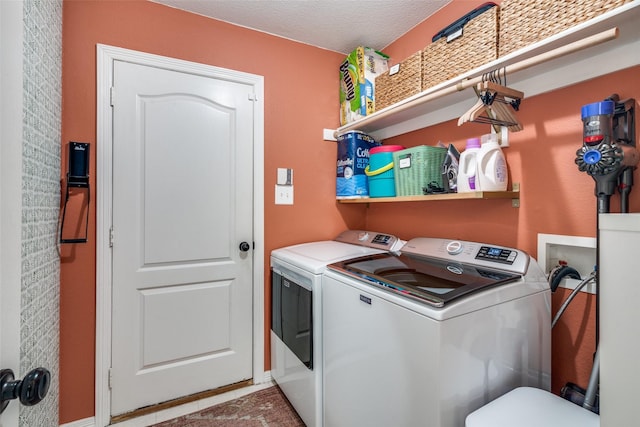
[353, 158]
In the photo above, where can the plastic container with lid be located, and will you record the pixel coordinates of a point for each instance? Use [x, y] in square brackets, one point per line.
[468, 167]
[380, 171]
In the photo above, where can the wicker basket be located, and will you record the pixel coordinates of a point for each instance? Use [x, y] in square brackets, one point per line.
[407, 81]
[416, 168]
[478, 45]
[523, 22]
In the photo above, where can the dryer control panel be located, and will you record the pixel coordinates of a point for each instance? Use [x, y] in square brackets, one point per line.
[371, 239]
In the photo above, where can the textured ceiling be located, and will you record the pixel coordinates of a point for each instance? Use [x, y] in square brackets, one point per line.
[337, 25]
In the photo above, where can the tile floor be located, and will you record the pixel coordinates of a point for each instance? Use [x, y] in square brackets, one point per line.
[188, 408]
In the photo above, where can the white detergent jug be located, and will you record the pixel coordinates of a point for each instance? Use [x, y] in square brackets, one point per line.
[468, 167]
[492, 165]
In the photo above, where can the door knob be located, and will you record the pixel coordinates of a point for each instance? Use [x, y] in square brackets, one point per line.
[244, 246]
[29, 390]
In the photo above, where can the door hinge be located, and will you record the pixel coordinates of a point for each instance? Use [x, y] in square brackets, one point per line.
[111, 96]
[110, 378]
[111, 237]
[253, 97]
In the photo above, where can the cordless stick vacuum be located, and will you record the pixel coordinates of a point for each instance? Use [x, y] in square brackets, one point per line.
[608, 152]
[609, 155]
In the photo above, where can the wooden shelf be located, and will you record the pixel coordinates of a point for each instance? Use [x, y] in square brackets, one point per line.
[422, 110]
[449, 100]
[513, 195]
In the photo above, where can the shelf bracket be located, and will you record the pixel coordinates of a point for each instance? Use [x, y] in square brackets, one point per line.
[515, 202]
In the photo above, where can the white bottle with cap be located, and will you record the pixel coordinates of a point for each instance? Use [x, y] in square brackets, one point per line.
[468, 167]
[492, 165]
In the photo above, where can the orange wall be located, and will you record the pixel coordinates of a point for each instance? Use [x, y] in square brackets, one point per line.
[301, 85]
[300, 100]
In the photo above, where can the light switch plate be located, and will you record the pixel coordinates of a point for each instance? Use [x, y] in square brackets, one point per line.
[284, 194]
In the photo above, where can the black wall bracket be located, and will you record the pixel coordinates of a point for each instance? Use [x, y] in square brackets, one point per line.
[77, 177]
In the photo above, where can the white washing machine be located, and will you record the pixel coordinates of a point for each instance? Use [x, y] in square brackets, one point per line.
[428, 336]
[296, 322]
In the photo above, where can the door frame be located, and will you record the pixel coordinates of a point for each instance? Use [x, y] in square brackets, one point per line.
[106, 55]
[11, 141]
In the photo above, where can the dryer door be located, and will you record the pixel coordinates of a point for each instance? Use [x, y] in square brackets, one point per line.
[292, 317]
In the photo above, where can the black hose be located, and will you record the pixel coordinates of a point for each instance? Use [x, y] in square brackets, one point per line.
[566, 303]
[559, 273]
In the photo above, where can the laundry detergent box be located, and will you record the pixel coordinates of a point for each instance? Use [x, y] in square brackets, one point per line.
[358, 74]
[353, 159]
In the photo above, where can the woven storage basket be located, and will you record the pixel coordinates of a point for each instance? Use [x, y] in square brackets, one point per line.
[417, 167]
[523, 22]
[392, 88]
[478, 45]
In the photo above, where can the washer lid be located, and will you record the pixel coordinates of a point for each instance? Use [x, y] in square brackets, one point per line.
[430, 280]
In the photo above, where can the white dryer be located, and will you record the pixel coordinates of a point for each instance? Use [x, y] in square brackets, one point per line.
[296, 312]
[426, 337]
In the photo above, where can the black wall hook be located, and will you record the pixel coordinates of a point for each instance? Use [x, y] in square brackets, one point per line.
[77, 177]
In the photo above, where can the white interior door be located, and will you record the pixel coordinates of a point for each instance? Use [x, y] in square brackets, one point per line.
[182, 205]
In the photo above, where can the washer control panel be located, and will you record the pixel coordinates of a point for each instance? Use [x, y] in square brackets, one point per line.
[494, 253]
[454, 247]
[482, 254]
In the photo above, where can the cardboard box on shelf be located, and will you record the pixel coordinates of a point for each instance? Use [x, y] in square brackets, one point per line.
[357, 82]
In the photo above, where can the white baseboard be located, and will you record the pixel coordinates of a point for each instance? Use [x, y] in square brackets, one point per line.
[87, 422]
[267, 378]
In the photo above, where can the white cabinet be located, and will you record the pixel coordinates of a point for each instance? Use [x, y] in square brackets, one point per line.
[619, 289]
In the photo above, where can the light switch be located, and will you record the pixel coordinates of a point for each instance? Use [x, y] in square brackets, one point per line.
[284, 194]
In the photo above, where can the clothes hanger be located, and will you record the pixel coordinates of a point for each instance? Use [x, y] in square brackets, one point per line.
[503, 112]
[477, 108]
[503, 91]
[491, 110]
[475, 112]
[495, 104]
[503, 99]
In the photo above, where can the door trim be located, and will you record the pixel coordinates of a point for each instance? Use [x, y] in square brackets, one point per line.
[106, 55]
[11, 141]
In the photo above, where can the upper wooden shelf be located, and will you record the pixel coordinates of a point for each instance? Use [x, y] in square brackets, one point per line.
[513, 195]
[421, 110]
